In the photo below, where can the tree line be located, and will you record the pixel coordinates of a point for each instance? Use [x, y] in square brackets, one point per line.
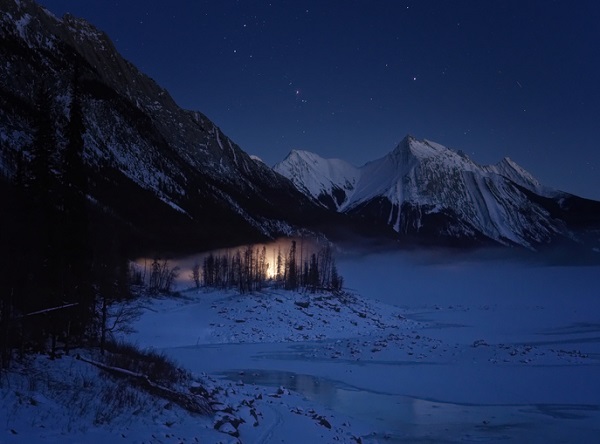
[247, 270]
[59, 268]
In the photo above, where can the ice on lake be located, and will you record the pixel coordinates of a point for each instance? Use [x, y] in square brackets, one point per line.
[501, 349]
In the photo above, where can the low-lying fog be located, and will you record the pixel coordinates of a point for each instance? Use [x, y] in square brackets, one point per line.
[505, 294]
[524, 294]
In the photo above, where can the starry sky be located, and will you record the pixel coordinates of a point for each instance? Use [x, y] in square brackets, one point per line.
[350, 78]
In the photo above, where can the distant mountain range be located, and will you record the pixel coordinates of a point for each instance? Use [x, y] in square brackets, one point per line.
[171, 179]
[426, 191]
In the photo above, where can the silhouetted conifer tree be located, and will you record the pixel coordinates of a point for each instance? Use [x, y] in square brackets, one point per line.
[48, 263]
[248, 269]
[41, 178]
[313, 274]
[291, 279]
[77, 248]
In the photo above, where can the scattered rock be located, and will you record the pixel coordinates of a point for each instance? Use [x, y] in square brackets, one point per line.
[220, 407]
[248, 415]
[199, 390]
[227, 427]
[322, 421]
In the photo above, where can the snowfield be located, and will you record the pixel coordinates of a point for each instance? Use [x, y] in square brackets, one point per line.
[418, 349]
[201, 317]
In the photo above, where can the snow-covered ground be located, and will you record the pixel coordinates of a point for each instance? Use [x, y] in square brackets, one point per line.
[421, 349]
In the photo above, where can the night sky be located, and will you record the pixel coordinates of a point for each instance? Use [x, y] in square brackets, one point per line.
[350, 78]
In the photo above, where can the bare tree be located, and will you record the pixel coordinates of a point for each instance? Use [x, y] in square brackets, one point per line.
[248, 270]
[162, 276]
[196, 274]
[116, 317]
[278, 266]
[291, 280]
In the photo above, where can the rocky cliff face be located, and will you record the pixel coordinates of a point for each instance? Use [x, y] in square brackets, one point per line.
[143, 153]
[424, 190]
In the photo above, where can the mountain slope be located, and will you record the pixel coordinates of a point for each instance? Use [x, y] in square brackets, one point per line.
[425, 190]
[330, 181]
[149, 163]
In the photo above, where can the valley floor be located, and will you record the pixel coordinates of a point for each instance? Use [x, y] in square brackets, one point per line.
[437, 352]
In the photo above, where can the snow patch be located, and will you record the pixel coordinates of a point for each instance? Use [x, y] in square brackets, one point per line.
[21, 25]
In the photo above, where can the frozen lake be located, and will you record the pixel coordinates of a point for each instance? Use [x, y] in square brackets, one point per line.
[516, 354]
[500, 298]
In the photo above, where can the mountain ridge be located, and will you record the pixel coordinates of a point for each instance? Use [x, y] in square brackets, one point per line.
[138, 136]
[172, 178]
[424, 188]
[337, 176]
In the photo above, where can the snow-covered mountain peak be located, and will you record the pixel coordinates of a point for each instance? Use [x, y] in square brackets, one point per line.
[411, 151]
[419, 148]
[256, 159]
[513, 171]
[507, 165]
[335, 169]
[423, 186]
[305, 156]
[331, 181]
